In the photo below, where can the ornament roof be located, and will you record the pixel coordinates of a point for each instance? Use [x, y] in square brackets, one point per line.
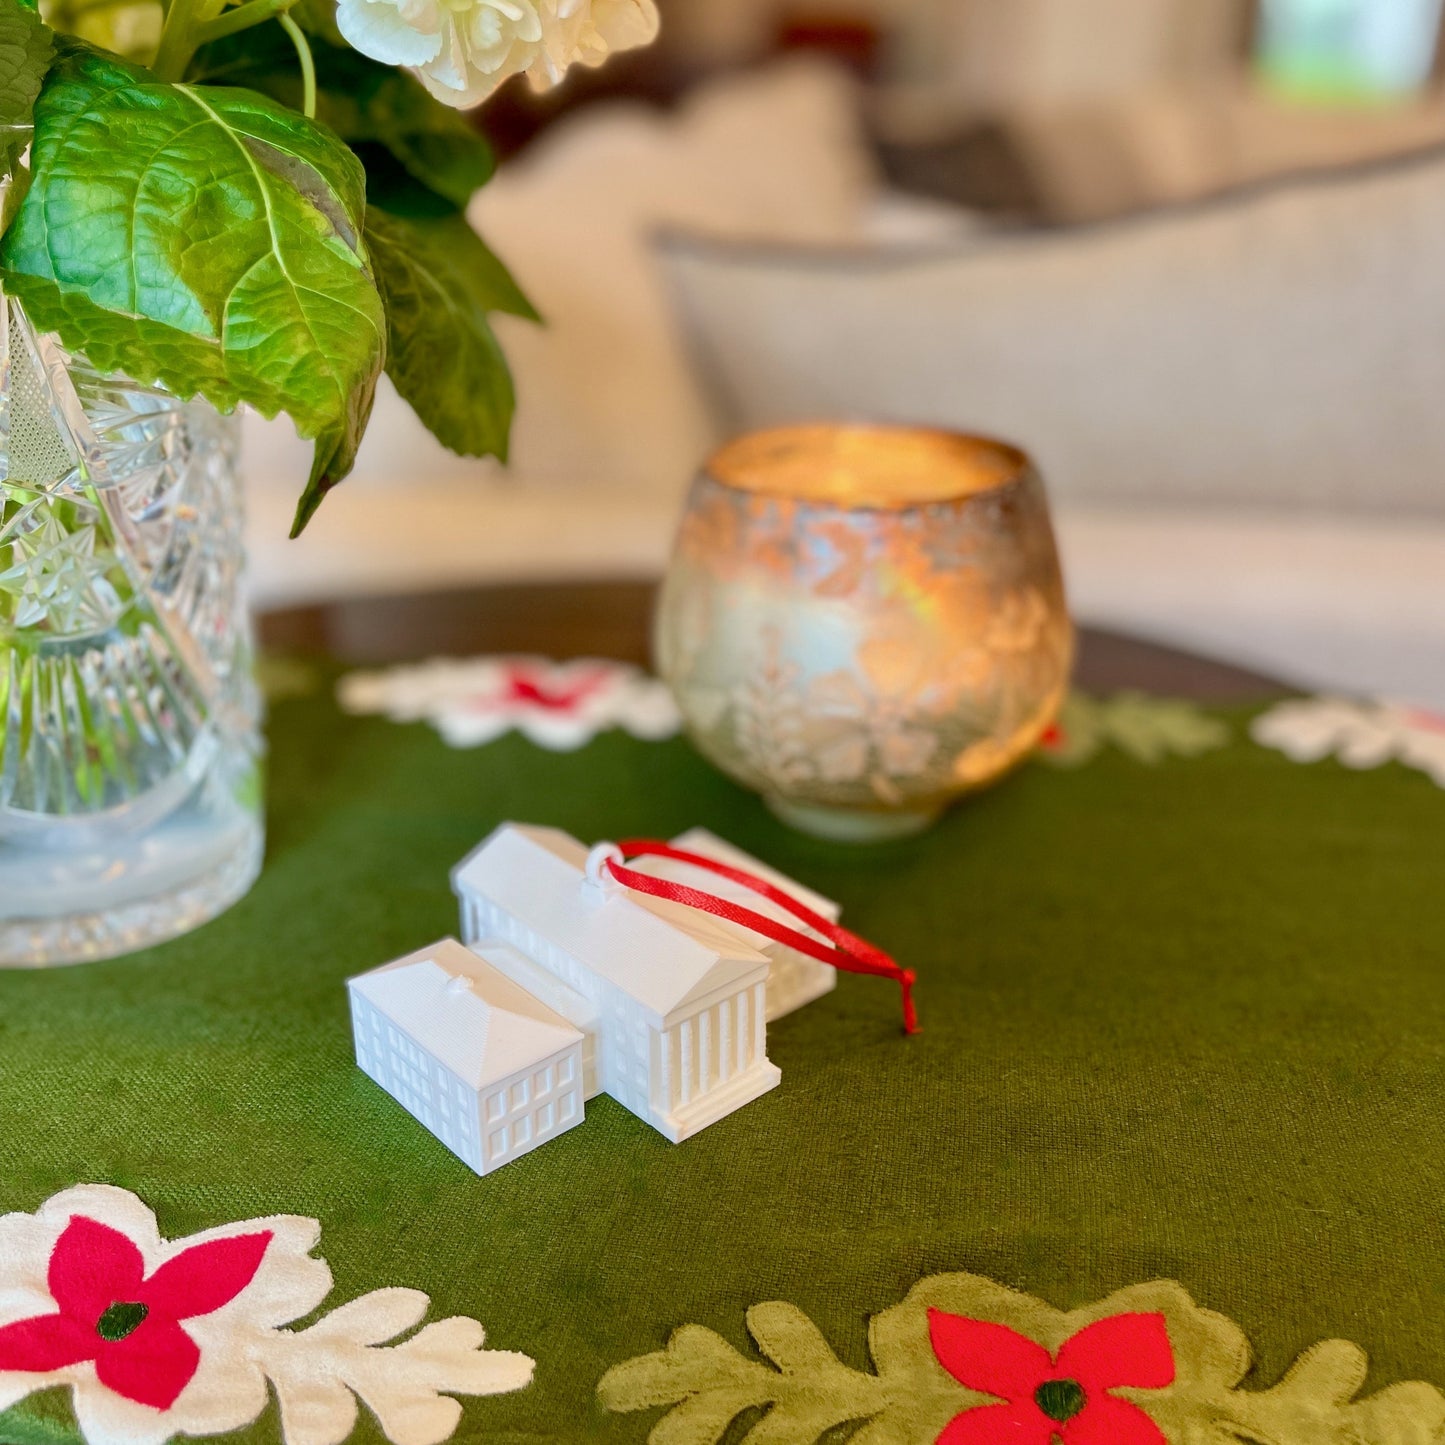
[663, 955]
[467, 1014]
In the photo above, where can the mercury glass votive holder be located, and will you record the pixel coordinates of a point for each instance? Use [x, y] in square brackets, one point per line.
[864, 622]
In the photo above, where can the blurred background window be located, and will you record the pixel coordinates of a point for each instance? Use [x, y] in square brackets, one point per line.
[1348, 49]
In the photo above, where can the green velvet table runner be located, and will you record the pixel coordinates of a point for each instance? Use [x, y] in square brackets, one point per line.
[1183, 1021]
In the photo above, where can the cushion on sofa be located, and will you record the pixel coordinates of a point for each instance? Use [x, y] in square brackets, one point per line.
[1338, 602]
[1282, 347]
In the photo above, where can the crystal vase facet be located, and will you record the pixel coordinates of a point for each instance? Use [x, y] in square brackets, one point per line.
[129, 720]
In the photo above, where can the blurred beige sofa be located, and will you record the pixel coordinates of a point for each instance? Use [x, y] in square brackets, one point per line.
[1247, 531]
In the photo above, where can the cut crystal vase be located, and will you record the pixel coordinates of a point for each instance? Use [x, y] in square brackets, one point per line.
[129, 720]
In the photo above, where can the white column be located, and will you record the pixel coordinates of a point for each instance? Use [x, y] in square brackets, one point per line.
[740, 1003]
[704, 1051]
[759, 1020]
[724, 1040]
[684, 1030]
[665, 1071]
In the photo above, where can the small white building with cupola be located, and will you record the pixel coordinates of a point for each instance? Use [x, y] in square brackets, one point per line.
[482, 1063]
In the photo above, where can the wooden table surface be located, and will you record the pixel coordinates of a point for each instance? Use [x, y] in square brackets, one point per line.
[611, 619]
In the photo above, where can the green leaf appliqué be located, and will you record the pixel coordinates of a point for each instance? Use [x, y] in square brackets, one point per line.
[206, 239]
[440, 282]
[909, 1398]
[1147, 729]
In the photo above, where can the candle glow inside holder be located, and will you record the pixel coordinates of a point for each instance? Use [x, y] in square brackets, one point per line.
[864, 622]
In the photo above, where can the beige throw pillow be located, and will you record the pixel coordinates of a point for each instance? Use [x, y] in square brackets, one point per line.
[1282, 347]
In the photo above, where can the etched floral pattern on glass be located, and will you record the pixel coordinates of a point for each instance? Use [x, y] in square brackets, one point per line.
[862, 664]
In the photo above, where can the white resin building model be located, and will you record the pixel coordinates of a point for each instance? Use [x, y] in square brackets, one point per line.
[793, 978]
[488, 1068]
[673, 1000]
[571, 985]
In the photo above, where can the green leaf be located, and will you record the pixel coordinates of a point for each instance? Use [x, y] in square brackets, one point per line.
[45, 1418]
[364, 102]
[913, 1397]
[439, 282]
[14, 194]
[393, 191]
[26, 49]
[208, 240]
[710, 1385]
[789, 1338]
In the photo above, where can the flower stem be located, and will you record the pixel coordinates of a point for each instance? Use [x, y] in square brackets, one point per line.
[178, 42]
[308, 65]
[186, 30]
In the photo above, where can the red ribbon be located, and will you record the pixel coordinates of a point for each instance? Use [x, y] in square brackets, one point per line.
[848, 952]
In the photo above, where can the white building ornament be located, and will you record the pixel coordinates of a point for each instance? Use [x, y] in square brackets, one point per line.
[571, 985]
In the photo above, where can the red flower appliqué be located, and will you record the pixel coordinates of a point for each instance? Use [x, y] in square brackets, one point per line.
[526, 686]
[128, 1325]
[1064, 1396]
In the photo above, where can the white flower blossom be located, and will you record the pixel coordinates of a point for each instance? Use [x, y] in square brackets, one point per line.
[462, 50]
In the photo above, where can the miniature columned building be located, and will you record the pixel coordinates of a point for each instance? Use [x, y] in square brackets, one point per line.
[793, 978]
[571, 985]
[672, 1001]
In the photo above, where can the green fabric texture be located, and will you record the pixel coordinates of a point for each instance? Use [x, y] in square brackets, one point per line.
[1181, 1021]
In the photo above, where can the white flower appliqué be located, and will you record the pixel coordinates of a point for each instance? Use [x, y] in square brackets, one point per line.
[1359, 734]
[462, 50]
[157, 1338]
[556, 705]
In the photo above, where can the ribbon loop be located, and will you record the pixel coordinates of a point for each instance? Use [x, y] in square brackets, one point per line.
[844, 949]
